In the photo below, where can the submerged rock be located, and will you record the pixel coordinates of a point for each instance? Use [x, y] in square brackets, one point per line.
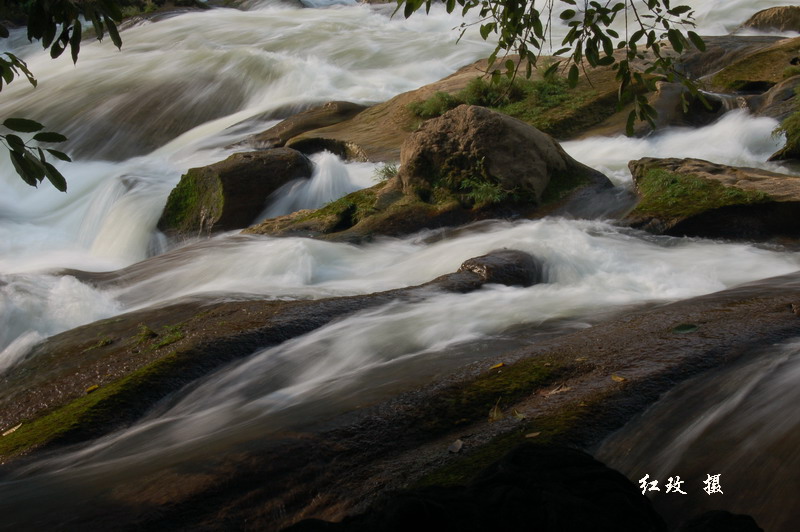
[469, 164]
[506, 266]
[692, 197]
[229, 194]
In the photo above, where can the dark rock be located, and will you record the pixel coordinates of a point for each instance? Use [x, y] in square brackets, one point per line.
[229, 194]
[531, 488]
[692, 197]
[720, 521]
[785, 18]
[506, 266]
[321, 116]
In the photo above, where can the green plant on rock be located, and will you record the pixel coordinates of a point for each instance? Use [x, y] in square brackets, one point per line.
[385, 172]
[524, 27]
[790, 129]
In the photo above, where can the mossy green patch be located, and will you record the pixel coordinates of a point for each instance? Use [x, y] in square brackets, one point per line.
[195, 202]
[762, 68]
[549, 429]
[669, 195]
[472, 401]
[106, 404]
[548, 104]
[348, 210]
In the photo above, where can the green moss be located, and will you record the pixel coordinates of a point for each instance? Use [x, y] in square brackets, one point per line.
[90, 412]
[169, 335]
[102, 342]
[790, 128]
[469, 402]
[547, 104]
[348, 210]
[550, 429]
[669, 195]
[193, 203]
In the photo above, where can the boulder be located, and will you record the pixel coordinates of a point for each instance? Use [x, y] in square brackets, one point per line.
[692, 197]
[467, 165]
[229, 194]
[506, 266]
[481, 152]
[785, 18]
[320, 116]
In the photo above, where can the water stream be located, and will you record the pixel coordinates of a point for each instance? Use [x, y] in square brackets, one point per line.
[181, 91]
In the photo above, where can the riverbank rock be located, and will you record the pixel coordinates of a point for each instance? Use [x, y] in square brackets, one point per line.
[84, 382]
[469, 164]
[229, 194]
[784, 18]
[693, 197]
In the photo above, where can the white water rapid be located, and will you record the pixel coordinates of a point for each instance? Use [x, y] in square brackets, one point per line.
[183, 89]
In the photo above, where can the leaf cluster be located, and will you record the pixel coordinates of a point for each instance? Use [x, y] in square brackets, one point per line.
[58, 25]
[30, 162]
[638, 56]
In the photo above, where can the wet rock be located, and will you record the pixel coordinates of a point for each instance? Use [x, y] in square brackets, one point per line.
[545, 489]
[785, 18]
[693, 197]
[754, 70]
[467, 165]
[131, 361]
[317, 117]
[506, 266]
[229, 194]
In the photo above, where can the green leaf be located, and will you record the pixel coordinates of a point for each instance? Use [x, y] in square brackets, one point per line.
[16, 143]
[49, 136]
[75, 41]
[112, 31]
[55, 177]
[675, 39]
[59, 155]
[629, 125]
[567, 14]
[22, 125]
[572, 78]
[697, 41]
[23, 168]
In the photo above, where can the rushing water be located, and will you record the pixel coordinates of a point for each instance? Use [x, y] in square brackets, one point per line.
[183, 89]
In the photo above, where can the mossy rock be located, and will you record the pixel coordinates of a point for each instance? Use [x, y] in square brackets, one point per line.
[692, 197]
[230, 194]
[757, 71]
[470, 164]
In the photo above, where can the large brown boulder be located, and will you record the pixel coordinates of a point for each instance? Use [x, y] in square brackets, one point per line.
[229, 194]
[480, 152]
[467, 165]
[693, 197]
[785, 18]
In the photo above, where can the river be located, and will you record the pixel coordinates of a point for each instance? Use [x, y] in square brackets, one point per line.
[185, 88]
